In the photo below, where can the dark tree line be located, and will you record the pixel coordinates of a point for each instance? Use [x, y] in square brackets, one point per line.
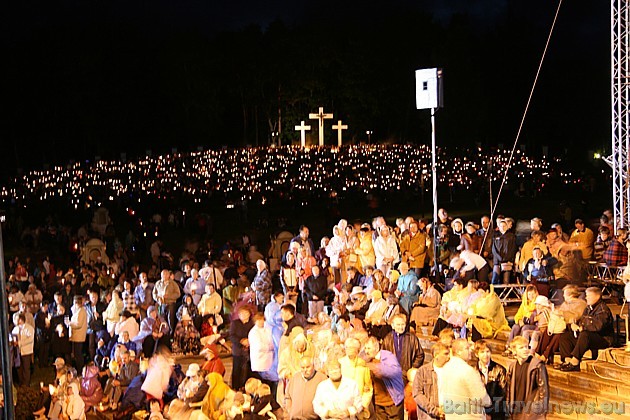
[100, 78]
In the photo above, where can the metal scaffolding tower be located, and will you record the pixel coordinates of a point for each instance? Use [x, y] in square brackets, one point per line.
[620, 67]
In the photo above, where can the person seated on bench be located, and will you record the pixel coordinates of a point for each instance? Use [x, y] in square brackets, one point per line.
[616, 255]
[593, 331]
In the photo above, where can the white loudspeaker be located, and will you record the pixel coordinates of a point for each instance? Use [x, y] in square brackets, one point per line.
[429, 89]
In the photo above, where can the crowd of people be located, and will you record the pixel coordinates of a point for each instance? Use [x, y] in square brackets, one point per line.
[249, 173]
[322, 332]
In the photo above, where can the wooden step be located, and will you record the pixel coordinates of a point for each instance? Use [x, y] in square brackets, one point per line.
[561, 394]
[609, 370]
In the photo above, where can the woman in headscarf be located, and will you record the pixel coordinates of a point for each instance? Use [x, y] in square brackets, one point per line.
[113, 311]
[386, 250]
[334, 251]
[488, 315]
[73, 405]
[218, 391]
[91, 390]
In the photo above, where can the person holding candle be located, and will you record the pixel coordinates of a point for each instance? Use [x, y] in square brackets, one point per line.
[25, 335]
[42, 333]
[78, 330]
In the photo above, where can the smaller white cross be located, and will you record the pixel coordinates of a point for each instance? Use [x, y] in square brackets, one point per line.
[339, 127]
[302, 129]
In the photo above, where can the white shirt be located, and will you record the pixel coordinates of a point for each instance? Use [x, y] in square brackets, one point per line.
[26, 338]
[346, 397]
[472, 260]
[261, 348]
[463, 385]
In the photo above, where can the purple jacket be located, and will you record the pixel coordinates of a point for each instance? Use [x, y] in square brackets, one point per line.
[390, 372]
[91, 391]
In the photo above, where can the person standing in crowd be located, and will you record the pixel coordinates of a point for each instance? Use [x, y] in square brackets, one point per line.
[387, 379]
[315, 289]
[404, 345]
[24, 340]
[407, 290]
[386, 250]
[305, 241]
[413, 247]
[494, 376]
[261, 348]
[337, 397]
[426, 389]
[143, 295]
[262, 285]
[129, 301]
[301, 390]
[94, 309]
[165, 293]
[239, 333]
[42, 334]
[353, 367]
[527, 393]
[504, 253]
[78, 331]
[462, 385]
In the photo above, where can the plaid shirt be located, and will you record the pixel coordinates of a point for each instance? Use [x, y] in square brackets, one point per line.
[616, 255]
[129, 303]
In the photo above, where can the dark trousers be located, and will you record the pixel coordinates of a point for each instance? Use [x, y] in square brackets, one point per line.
[43, 351]
[150, 344]
[169, 312]
[240, 371]
[440, 324]
[77, 354]
[24, 371]
[92, 342]
[499, 276]
[549, 345]
[390, 412]
[570, 346]
[484, 274]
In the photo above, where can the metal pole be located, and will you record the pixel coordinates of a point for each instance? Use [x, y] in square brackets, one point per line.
[435, 208]
[7, 377]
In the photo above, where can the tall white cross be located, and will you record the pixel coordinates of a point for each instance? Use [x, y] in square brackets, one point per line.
[303, 129]
[321, 117]
[339, 127]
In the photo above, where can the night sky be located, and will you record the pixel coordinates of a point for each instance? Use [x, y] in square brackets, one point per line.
[87, 78]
